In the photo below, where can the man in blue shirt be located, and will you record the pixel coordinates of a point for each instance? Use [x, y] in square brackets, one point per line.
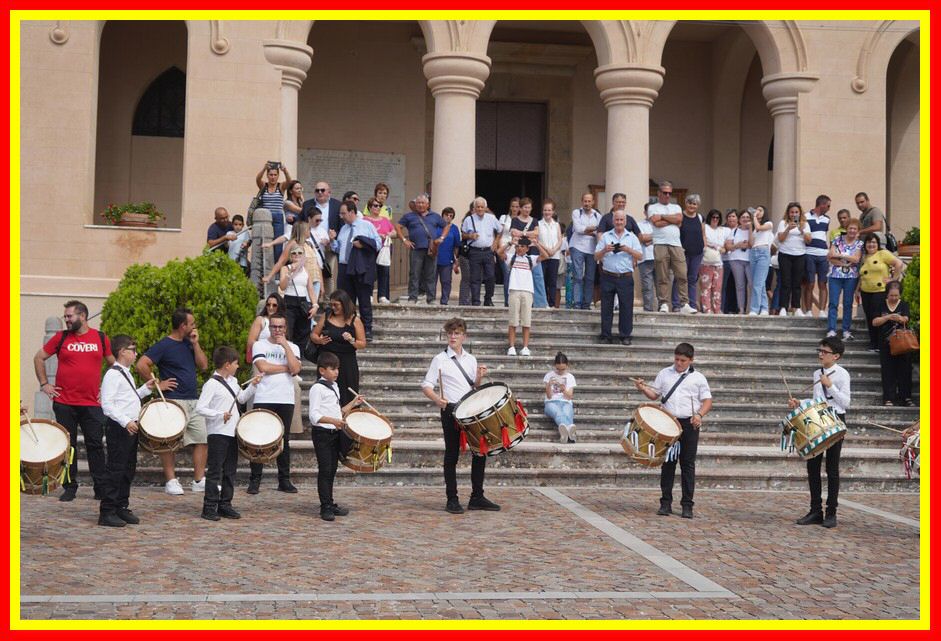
[480, 228]
[617, 252]
[357, 246]
[220, 231]
[423, 227]
[447, 243]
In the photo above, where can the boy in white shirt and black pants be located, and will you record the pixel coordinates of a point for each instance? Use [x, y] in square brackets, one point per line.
[120, 402]
[831, 382]
[218, 403]
[685, 394]
[326, 420]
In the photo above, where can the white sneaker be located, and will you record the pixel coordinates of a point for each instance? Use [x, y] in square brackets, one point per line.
[752, 314]
[525, 352]
[686, 309]
[563, 434]
[799, 313]
[847, 336]
[763, 312]
[511, 351]
[664, 309]
[173, 487]
[571, 433]
[831, 334]
[384, 300]
[198, 487]
[783, 312]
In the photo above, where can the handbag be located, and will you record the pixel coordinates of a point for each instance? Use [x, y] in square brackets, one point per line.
[255, 204]
[902, 340]
[891, 243]
[711, 256]
[464, 250]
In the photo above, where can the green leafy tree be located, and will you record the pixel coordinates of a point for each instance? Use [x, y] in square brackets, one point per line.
[213, 286]
[911, 294]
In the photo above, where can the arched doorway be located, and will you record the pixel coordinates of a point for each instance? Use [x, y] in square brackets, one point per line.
[903, 143]
[141, 116]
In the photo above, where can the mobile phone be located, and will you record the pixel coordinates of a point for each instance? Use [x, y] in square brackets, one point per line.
[274, 164]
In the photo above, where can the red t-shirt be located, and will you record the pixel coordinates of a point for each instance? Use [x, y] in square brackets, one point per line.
[79, 371]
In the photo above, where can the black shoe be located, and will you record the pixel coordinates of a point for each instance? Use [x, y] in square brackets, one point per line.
[488, 303]
[68, 494]
[210, 514]
[626, 341]
[110, 519]
[228, 512]
[127, 516]
[687, 512]
[665, 509]
[326, 514]
[814, 517]
[253, 486]
[99, 496]
[454, 507]
[287, 487]
[830, 520]
[605, 340]
[483, 503]
[339, 510]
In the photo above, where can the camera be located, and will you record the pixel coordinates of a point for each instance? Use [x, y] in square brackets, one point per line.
[274, 164]
[617, 247]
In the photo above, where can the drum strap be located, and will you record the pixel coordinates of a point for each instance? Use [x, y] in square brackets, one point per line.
[216, 377]
[117, 368]
[329, 386]
[826, 394]
[665, 398]
[467, 378]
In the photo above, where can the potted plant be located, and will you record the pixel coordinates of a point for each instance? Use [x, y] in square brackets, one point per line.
[910, 244]
[133, 215]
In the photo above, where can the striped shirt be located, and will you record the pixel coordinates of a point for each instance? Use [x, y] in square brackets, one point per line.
[819, 227]
[274, 203]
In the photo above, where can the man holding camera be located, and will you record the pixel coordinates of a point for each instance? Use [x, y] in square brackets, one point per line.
[617, 252]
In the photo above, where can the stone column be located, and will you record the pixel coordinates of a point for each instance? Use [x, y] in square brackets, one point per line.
[781, 92]
[293, 60]
[628, 93]
[455, 81]
[262, 259]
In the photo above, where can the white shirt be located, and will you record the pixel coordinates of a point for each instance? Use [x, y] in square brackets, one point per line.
[738, 235]
[646, 227]
[581, 241]
[687, 399]
[669, 235]
[549, 233]
[215, 400]
[521, 274]
[763, 238]
[324, 401]
[324, 226]
[560, 384]
[118, 402]
[716, 238]
[486, 227]
[455, 385]
[274, 388]
[838, 394]
[793, 245]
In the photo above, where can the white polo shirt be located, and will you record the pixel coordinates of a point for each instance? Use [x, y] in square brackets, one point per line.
[455, 385]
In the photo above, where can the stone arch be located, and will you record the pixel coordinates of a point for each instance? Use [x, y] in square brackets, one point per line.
[872, 61]
[903, 134]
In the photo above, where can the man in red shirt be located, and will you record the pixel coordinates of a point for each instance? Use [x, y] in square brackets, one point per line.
[75, 396]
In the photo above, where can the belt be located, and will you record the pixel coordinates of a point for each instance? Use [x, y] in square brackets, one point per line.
[481, 249]
[615, 274]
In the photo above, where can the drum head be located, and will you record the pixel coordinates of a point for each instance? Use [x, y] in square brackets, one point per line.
[658, 419]
[480, 400]
[368, 425]
[53, 442]
[162, 420]
[259, 427]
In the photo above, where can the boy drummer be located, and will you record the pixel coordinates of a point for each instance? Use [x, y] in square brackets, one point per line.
[452, 370]
[831, 382]
[684, 393]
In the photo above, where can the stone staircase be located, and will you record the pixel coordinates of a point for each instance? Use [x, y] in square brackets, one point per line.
[740, 357]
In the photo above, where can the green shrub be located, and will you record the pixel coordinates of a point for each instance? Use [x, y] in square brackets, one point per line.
[213, 286]
[911, 293]
[912, 237]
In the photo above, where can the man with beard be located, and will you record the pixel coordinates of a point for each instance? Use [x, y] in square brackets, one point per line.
[75, 394]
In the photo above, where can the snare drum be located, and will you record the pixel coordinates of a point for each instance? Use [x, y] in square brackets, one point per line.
[260, 435]
[811, 428]
[161, 426]
[371, 434]
[651, 436]
[492, 418]
[45, 454]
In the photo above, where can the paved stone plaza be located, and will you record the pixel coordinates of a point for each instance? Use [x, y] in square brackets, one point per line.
[552, 553]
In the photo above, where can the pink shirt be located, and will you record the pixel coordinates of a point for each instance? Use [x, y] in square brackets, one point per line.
[383, 226]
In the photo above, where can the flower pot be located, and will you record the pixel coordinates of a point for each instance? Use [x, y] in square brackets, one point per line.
[129, 219]
[909, 250]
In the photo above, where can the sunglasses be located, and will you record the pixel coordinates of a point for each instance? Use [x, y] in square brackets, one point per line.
[375, 206]
[320, 191]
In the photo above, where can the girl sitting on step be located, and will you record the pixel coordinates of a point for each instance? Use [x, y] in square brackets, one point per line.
[560, 390]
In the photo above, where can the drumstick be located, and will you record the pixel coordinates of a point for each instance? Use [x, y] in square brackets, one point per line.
[440, 384]
[789, 395]
[885, 427]
[648, 386]
[365, 402]
[29, 424]
[235, 400]
[160, 391]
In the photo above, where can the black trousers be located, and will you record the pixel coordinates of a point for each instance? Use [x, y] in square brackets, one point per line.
[833, 477]
[122, 464]
[481, 269]
[452, 451]
[550, 273]
[92, 421]
[872, 304]
[221, 463]
[623, 288]
[361, 293]
[896, 374]
[327, 445]
[689, 443]
[296, 309]
[285, 412]
[791, 270]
